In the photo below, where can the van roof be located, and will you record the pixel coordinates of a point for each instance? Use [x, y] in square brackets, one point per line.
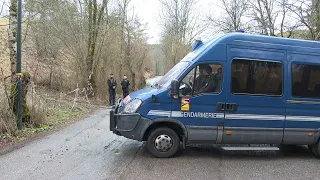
[246, 39]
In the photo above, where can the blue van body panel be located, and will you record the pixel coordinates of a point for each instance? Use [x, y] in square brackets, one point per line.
[302, 114]
[270, 42]
[259, 119]
[216, 53]
[144, 94]
[159, 108]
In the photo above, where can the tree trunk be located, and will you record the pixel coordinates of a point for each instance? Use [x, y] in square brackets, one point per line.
[12, 45]
[93, 31]
[50, 76]
[133, 76]
[316, 18]
[262, 18]
[12, 40]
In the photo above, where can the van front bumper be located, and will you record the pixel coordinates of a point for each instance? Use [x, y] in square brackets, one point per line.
[131, 126]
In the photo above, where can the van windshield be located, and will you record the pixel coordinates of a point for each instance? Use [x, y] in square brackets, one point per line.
[172, 74]
[165, 81]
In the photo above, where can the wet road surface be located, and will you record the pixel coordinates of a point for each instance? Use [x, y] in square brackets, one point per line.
[88, 150]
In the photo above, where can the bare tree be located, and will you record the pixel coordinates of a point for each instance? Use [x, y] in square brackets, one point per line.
[272, 17]
[308, 15]
[232, 18]
[134, 53]
[264, 14]
[94, 19]
[180, 26]
[288, 23]
[316, 17]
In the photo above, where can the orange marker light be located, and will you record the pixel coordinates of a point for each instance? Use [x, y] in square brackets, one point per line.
[229, 132]
[310, 134]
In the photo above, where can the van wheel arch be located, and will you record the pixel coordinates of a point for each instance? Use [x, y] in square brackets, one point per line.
[174, 124]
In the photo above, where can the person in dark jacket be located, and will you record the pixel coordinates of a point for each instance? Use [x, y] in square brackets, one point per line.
[112, 83]
[125, 86]
[198, 81]
[209, 83]
[218, 78]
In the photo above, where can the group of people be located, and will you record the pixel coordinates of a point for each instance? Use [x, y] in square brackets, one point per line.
[112, 84]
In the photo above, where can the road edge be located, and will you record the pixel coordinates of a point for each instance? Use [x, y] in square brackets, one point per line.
[20, 144]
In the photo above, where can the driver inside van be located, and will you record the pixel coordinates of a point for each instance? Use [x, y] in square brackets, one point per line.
[208, 83]
[198, 81]
[218, 82]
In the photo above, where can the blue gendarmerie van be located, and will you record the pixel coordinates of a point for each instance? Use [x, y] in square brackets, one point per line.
[237, 88]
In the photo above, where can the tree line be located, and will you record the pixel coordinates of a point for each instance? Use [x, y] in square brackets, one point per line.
[89, 38]
[81, 42]
[184, 20]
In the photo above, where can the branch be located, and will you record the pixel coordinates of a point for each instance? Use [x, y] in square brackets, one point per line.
[2, 7]
[25, 37]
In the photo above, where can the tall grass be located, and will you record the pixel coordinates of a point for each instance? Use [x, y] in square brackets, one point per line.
[7, 119]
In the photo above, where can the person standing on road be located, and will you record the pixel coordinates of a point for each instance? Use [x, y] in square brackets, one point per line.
[112, 83]
[125, 86]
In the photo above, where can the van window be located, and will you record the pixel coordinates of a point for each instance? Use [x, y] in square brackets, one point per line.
[256, 77]
[305, 81]
[205, 78]
[165, 81]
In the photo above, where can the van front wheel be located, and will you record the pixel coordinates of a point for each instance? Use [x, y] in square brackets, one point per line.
[163, 142]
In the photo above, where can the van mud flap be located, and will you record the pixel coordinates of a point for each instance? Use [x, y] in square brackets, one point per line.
[112, 121]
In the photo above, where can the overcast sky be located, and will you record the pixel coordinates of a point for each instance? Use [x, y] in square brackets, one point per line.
[149, 10]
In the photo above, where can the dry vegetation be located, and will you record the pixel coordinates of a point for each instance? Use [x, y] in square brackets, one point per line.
[48, 108]
[4, 52]
[7, 122]
[69, 49]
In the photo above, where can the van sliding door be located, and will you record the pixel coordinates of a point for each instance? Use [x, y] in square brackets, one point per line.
[255, 102]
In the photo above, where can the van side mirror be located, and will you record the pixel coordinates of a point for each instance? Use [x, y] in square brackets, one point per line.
[174, 91]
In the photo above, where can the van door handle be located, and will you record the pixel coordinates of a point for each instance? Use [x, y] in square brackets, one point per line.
[231, 107]
[221, 106]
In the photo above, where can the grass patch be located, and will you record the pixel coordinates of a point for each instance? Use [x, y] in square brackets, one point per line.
[59, 116]
[55, 118]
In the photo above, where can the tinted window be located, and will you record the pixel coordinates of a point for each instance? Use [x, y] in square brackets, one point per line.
[205, 78]
[305, 81]
[256, 77]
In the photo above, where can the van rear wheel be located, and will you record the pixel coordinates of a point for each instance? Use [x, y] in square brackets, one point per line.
[315, 149]
[163, 142]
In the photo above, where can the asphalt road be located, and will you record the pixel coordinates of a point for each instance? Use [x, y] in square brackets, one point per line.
[87, 150]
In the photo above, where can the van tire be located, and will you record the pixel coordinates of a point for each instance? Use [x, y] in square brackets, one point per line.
[315, 149]
[168, 135]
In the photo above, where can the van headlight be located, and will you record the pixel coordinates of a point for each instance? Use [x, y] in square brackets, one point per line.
[132, 106]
